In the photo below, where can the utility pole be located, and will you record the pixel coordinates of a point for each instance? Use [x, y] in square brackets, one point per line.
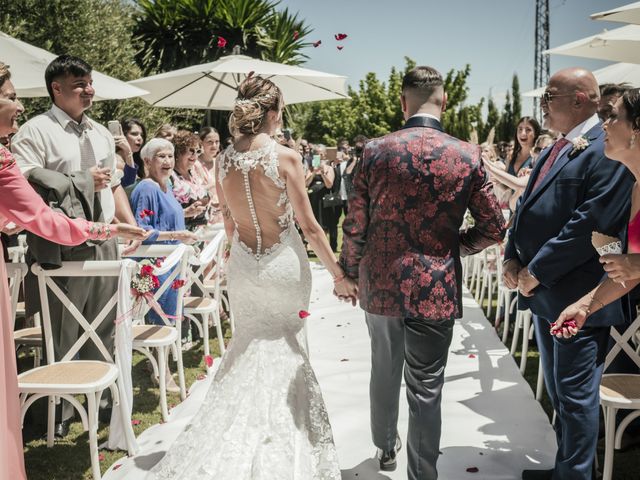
[541, 61]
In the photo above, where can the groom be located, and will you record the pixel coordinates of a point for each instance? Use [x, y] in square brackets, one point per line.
[402, 242]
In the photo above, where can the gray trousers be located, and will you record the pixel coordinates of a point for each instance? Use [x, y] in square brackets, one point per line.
[421, 347]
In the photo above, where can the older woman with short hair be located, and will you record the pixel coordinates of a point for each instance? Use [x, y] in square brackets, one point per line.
[156, 209]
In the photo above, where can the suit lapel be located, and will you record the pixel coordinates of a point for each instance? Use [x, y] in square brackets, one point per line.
[559, 164]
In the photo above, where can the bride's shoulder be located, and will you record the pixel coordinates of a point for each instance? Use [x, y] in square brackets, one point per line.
[287, 157]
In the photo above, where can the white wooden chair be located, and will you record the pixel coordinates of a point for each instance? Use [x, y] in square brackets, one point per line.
[68, 378]
[207, 307]
[163, 338]
[30, 337]
[489, 276]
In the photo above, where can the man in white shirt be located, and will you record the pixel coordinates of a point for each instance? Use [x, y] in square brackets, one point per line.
[66, 141]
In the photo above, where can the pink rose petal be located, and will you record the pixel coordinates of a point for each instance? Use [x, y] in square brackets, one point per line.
[135, 422]
[471, 355]
[208, 359]
[303, 314]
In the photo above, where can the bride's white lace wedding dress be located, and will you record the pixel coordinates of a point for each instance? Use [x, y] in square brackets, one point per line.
[264, 417]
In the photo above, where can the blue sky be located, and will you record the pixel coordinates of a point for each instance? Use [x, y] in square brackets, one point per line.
[496, 37]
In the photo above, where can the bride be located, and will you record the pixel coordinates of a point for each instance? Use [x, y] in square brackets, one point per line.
[264, 417]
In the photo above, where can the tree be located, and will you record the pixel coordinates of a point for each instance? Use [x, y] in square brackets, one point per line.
[172, 34]
[506, 128]
[517, 99]
[97, 31]
[493, 119]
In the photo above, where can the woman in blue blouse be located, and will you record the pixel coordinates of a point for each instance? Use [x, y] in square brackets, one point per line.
[157, 210]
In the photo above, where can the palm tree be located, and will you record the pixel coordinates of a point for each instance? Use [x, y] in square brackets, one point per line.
[173, 34]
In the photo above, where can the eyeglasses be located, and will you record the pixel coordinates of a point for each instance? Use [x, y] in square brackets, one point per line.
[195, 151]
[547, 97]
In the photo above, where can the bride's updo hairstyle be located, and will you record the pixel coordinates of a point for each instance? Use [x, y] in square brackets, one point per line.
[256, 97]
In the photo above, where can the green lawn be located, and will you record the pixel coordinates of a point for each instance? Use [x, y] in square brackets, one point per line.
[69, 458]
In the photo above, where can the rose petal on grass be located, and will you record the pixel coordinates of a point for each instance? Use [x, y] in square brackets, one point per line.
[135, 421]
[101, 457]
[208, 359]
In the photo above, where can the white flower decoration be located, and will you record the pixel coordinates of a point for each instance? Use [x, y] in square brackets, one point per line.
[579, 144]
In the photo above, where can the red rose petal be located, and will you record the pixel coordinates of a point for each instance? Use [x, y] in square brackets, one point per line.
[471, 355]
[296, 34]
[101, 457]
[222, 42]
[208, 359]
[115, 467]
[317, 44]
[303, 314]
[135, 422]
[339, 47]
[340, 36]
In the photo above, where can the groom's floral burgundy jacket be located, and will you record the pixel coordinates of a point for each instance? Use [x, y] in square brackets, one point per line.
[402, 236]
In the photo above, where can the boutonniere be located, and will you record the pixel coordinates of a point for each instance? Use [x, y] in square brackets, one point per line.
[579, 144]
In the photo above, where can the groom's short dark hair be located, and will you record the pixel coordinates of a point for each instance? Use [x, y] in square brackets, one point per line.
[424, 80]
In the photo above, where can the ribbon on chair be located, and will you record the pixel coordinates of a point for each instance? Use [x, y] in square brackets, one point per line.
[121, 435]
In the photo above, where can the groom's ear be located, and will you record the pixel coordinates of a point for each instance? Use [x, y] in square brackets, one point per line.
[444, 102]
[403, 103]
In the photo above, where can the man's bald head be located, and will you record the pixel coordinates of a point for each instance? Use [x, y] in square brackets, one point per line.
[572, 96]
[423, 92]
[578, 80]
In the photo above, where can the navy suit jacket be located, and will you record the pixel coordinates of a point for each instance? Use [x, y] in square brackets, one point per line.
[551, 234]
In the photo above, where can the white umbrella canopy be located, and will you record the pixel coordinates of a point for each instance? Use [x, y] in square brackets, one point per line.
[616, 73]
[214, 85]
[618, 45]
[28, 64]
[626, 14]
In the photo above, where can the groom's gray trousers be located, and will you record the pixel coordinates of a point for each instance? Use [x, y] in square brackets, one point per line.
[421, 347]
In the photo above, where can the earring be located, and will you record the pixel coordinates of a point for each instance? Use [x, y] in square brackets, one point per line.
[632, 142]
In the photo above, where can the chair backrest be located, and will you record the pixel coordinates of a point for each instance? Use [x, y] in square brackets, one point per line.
[93, 268]
[174, 255]
[213, 251]
[15, 273]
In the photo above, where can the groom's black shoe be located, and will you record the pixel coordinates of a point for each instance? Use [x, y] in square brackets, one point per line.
[387, 459]
[537, 474]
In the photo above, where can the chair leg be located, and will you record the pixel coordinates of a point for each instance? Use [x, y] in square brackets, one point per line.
[216, 318]
[507, 316]
[489, 295]
[540, 381]
[162, 380]
[177, 355]
[51, 420]
[205, 334]
[92, 406]
[610, 429]
[526, 327]
[516, 332]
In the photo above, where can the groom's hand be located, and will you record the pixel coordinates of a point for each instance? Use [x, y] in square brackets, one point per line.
[527, 282]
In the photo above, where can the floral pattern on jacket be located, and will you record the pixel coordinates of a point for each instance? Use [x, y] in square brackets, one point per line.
[402, 236]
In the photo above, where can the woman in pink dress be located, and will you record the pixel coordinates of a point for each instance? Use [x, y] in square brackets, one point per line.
[20, 205]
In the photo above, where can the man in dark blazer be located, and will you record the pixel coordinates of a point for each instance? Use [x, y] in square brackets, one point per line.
[573, 191]
[402, 241]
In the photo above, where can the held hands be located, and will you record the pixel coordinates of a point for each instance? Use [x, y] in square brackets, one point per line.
[101, 177]
[622, 268]
[184, 236]
[510, 270]
[130, 232]
[526, 282]
[346, 289]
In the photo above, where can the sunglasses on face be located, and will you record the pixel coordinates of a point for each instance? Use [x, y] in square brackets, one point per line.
[547, 97]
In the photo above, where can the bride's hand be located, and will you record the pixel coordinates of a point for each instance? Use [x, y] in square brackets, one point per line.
[347, 289]
[574, 314]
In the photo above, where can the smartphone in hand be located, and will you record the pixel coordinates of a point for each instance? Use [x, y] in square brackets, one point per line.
[115, 128]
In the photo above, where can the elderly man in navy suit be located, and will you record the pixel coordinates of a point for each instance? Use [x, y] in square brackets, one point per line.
[573, 191]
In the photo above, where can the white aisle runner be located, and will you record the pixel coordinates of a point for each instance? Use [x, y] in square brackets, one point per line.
[491, 422]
